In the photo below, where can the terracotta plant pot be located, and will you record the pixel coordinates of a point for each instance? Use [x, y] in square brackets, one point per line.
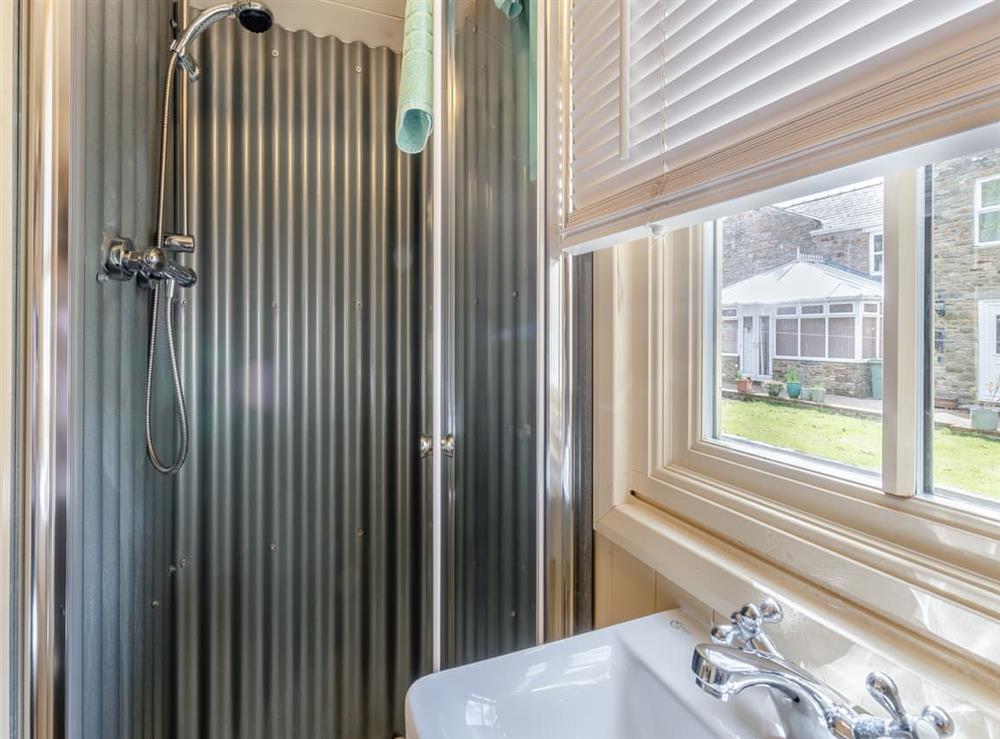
[744, 387]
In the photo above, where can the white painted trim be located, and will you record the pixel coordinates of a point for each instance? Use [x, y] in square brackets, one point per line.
[978, 197]
[902, 396]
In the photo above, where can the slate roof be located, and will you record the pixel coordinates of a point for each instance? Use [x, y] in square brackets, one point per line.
[802, 281]
[857, 206]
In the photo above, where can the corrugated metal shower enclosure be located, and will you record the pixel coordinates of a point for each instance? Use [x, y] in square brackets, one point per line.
[302, 586]
[280, 587]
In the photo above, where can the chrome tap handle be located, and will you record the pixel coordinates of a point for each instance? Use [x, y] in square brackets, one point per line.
[178, 243]
[932, 723]
[746, 627]
[156, 265]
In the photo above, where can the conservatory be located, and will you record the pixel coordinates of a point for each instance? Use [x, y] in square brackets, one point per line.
[804, 312]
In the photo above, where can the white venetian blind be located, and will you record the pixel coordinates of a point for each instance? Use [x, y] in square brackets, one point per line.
[661, 85]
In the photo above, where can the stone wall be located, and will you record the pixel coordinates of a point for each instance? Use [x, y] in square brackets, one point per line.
[756, 241]
[850, 249]
[840, 378]
[963, 274]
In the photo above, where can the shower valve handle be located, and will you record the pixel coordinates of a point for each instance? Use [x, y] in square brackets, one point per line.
[178, 243]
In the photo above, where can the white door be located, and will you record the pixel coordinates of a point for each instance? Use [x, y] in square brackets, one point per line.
[989, 345]
[755, 346]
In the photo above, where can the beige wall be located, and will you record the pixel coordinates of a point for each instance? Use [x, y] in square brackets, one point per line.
[627, 588]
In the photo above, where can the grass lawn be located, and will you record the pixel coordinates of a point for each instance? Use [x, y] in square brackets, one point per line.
[961, 461]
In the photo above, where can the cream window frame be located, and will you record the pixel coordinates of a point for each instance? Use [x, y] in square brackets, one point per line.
[906, 572]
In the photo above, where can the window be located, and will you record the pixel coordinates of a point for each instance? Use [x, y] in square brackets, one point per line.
[837, 488]
[796, 266]
[876, 247]
[987, 223]
[963, 452]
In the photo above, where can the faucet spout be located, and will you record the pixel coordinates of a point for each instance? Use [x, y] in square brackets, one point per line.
[726, 671]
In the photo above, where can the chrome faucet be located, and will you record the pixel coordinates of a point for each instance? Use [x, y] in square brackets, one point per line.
[743, 656]
[121, 261]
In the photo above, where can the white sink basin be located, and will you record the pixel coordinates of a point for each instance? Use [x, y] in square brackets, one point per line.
[628, 681]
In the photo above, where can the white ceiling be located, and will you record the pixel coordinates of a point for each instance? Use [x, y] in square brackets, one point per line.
[373, 22]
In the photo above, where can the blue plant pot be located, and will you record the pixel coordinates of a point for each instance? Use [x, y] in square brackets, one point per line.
[794, 389]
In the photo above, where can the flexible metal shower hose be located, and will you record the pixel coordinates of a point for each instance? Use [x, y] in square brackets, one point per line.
[182, 420]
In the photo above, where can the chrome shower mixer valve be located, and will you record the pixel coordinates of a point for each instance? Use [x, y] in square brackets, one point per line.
[120, 260]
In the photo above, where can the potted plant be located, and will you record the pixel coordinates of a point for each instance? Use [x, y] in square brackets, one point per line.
[817, 393]
[792, 384]
[744, 385]
[774, 388]
[805, 393]
[985, 416]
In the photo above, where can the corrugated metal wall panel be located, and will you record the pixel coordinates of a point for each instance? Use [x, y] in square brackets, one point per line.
[120, 512]
[303, 526]
[490, 604]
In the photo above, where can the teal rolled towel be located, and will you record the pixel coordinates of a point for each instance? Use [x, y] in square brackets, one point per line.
[510, 8]
[415, 111]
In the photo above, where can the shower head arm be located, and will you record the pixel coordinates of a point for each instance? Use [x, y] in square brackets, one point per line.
[200, 24]
[253, 15]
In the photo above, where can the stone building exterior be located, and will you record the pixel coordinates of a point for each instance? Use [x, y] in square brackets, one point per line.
[835, 229]
[966, 283]
[842, 228]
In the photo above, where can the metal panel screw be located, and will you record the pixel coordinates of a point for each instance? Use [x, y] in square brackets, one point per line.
[155, 604]
[273, 546]
[274, 52]
[357, 68]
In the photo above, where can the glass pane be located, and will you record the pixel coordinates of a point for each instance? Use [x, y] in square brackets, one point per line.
[989, 227]
[964, 372]
[989, 193]
[813, 337]
[842, 338]
[778, 266]
[787, 344]
[728, 337]
[871, 338]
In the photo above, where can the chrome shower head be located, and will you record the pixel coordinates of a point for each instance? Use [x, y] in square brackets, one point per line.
[254, 16]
